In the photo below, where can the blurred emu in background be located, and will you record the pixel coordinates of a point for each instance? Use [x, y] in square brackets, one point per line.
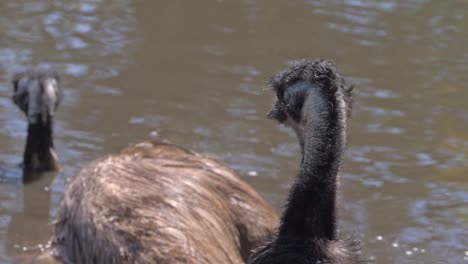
[38, 93]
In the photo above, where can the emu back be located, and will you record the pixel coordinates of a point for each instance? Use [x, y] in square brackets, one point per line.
[158, 203]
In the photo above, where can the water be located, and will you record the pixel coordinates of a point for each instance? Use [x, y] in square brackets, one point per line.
[196, 71]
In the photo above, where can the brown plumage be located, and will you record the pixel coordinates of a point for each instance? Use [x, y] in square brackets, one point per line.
[155, 202]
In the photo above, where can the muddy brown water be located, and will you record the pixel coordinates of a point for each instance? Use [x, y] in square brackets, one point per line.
[196, 71]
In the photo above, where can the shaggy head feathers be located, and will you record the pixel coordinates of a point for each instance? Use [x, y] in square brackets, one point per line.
[291, 84]
[37, 93]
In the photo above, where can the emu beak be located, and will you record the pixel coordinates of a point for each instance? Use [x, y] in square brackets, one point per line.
[272, 114]
[42, 105]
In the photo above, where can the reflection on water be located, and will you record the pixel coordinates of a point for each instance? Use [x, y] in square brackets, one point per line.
[29, 221]
[68, 35]
[196, 72]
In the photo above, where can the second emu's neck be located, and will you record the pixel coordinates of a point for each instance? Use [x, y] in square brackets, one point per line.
[310, 212]
[39, 153]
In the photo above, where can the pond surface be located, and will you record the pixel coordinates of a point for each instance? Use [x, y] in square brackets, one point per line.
[196, 72]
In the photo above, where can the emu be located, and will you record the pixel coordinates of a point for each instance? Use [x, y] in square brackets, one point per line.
[155, 202]
[312, 99]
[38, 93]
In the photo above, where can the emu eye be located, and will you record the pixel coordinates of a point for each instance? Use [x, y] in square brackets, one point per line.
[15, 86]
[294, 98]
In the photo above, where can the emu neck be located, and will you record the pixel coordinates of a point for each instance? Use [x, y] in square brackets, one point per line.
[310, 212]
[39, 154]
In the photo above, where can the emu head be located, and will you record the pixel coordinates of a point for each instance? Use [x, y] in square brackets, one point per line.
[37, 94]
[306, 92]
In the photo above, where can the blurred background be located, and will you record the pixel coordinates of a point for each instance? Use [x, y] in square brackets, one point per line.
[196, 72]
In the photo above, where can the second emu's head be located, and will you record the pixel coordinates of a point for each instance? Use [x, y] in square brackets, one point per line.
[38, 94]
